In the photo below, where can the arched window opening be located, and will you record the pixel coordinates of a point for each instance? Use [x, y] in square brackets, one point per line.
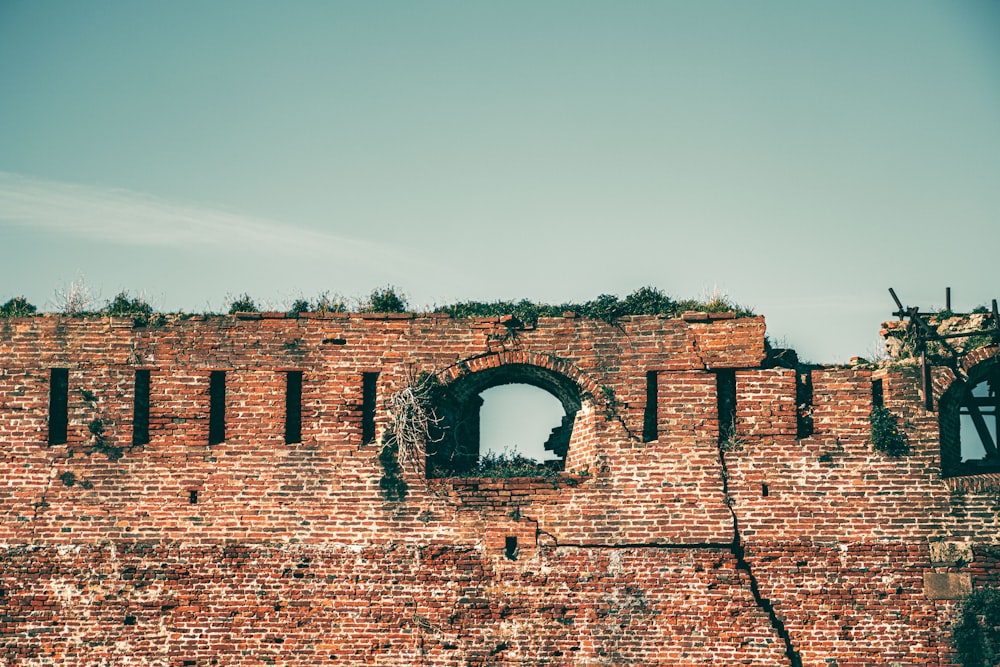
[969, 421]
[507, 416]
[521, 419]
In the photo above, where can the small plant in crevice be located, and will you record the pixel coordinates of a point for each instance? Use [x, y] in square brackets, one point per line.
[100, 443]
[68, 478]
[976, 636]
[887, 435]
[610, 402]
[392, 485]
[730, 440]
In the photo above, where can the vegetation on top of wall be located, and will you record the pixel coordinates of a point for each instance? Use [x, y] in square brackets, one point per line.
[77, 301]
[242, 304]
[607, 307]
[886, 434]
[386, 299]
[141, 312]
[494, 465]
[977, 635]
[17, 307]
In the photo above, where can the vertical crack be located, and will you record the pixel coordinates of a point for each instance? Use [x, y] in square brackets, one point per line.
[743, 564]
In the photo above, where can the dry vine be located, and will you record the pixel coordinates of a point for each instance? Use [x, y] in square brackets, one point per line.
[413, 417]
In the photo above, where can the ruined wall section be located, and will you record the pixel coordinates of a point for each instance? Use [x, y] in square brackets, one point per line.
[864, 556]
[777, 545]
[326, 488]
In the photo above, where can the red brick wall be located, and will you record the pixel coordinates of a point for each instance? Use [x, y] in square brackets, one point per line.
[669, 552]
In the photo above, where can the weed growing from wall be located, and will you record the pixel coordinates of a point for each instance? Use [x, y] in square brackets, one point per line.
[886, 434]
[977, 635]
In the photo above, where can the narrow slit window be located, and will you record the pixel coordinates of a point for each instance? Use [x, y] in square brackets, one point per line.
[140, 409]
[878, 398]
[368, 408]
[649, 423]
[804, 404]
[58, 405]
[726, 390]
[293, 406]
[217, 408]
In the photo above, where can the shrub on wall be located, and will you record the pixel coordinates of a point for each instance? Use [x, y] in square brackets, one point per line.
[242, 304]
[386, 299]
[977, 636]
[17, 307]
[886, 434]
[122, 306]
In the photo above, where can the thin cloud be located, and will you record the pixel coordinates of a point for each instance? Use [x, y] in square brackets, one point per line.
[134, 218]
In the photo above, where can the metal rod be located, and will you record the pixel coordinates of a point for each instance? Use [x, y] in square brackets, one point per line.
[947, 299]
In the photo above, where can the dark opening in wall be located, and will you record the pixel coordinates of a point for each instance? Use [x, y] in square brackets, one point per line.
[140, 409]
[649, 422]
[368, 401]
[804, 403]
[510, 547]
[293, 406]
[58, 405]
[217, 408]
[878, 398]
[969, 421]
[764, 491]
[726, 391]
[193, 496]
[513, 420]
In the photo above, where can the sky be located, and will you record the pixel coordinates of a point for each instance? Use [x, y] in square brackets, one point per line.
[799, 157]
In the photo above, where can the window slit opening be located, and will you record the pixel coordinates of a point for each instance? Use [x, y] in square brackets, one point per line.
[878, 397]
[58, 405]
[217, 408]
[368, 397]
[726, 392]
[140, 409]
[650, 417]
[293, 407]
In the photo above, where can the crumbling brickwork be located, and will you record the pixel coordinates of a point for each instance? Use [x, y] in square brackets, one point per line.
[706, 528]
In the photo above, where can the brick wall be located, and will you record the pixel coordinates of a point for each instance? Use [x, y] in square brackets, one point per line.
[670, 550]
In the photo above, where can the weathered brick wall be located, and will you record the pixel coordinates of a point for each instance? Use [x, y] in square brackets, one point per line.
[771, 549]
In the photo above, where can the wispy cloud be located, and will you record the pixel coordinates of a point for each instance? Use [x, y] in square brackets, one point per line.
[134, 218]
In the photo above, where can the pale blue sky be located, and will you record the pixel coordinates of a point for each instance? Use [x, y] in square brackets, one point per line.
[799, 156]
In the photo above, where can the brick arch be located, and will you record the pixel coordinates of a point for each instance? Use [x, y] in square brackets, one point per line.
[455, 446]
[943, 380]
[978, 366]
[557, 376]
